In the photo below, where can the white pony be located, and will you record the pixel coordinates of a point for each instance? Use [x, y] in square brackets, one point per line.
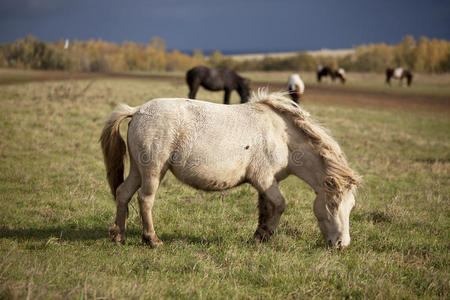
[216, 147]
[295, 87]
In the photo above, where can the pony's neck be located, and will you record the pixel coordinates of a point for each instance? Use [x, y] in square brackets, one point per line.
[242, 89]
[307, 165]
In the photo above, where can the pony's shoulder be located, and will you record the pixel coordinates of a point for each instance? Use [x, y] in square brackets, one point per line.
[175, 104]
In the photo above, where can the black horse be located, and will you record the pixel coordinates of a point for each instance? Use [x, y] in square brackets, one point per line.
[217, 80]
[325, 71]
[400, 74]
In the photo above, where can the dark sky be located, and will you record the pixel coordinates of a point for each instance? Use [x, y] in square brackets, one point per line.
[236, 25]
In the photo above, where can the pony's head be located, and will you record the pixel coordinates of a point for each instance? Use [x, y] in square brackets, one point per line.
[340, 73]
[333, 217]
[243, 89]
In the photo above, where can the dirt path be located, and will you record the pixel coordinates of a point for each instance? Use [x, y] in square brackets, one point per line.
[341, 95]
[369, 98]
[315, 93]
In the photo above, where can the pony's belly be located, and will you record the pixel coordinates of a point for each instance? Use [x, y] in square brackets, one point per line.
[208, 178]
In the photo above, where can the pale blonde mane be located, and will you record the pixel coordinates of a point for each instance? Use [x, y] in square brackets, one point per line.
[339, 177]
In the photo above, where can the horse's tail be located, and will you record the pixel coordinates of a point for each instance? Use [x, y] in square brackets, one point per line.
[113, 146]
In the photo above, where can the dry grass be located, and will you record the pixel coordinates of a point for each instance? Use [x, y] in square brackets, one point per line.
[55, 209]
[322, 52]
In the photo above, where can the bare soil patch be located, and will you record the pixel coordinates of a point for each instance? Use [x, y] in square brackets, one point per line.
[368, 98]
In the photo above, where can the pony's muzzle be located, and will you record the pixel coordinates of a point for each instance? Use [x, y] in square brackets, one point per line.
[341, 242]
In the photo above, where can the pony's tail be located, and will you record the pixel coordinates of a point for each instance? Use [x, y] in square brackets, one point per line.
[113, 146]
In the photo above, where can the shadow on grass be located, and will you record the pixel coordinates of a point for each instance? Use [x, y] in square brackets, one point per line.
[101, 233]
[190, 238]
[433, 160]
[375, 217]
[63, 233]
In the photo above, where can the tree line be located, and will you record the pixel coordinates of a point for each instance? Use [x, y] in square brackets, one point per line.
[422, 55]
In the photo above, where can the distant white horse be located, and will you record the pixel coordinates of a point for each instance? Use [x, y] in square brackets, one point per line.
[216, 147]
[340, 73]
[295, 87]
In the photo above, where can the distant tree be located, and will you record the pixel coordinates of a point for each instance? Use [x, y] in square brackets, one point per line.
[158, 43]
[347, 62]
[329, 61]
[422, 61]
[405, 52]
[3, 60]
[198, 54]
[304, 62]
[218, 60]
[423, 55]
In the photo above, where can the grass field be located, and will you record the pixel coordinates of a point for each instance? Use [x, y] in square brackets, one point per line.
[424, 84]
[55, 209]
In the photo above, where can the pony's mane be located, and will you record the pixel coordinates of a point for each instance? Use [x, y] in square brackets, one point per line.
[339, 177]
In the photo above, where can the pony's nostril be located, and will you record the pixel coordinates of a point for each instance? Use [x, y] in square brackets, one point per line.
[339, 243]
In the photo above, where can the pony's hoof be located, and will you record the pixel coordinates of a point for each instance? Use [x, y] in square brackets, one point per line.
[114, 233]
[152, 242]
[261, 237]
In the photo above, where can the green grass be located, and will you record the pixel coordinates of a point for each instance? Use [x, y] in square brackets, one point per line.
[55, 210]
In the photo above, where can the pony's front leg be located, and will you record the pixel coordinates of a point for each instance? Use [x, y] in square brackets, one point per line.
[146, 197]
[193, 90]
[271, 205]
[226, 97]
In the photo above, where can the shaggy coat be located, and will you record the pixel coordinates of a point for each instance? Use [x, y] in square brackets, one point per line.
[215, 147]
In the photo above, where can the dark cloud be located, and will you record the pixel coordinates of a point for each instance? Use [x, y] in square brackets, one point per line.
[227, 25]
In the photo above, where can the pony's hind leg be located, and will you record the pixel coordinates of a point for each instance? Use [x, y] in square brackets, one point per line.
[123, 196]
[146, 198]
[271, 205]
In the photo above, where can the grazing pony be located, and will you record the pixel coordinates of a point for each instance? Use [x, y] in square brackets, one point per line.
[295, 87]
[323, 72]
[400, 74]
[340, 73]
[215, 147]
[217, 80]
